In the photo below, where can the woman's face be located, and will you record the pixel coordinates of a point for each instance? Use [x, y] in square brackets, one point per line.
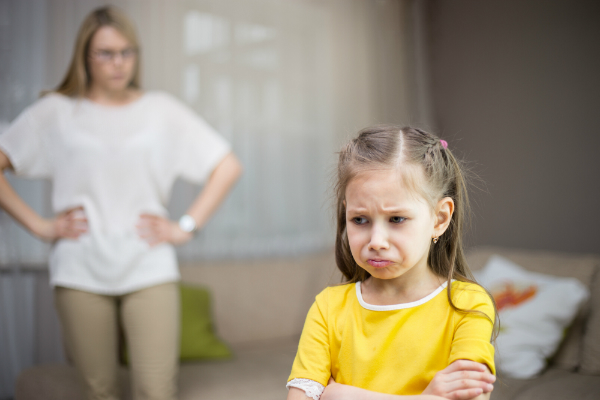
[111, 60]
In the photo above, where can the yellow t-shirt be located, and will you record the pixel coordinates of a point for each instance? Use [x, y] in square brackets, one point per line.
[393, 349]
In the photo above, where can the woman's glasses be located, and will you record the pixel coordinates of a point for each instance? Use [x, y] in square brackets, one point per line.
[106, 56]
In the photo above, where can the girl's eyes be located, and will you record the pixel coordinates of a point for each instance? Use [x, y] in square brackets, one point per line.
[363, 220]
[397, 220]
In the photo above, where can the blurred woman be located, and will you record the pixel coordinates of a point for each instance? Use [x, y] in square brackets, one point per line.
[112, 152]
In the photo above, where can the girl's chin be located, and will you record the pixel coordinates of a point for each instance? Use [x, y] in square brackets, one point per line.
[383, 273]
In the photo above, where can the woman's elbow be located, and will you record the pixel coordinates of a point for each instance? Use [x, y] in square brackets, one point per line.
[5, 163]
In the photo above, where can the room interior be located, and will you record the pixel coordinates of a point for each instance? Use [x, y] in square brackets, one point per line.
[510, 85]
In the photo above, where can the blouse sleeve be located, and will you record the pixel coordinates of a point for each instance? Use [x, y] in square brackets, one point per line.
[313, 360]
[198, 147]
[473, 332]
[312, 389]
[25, 141]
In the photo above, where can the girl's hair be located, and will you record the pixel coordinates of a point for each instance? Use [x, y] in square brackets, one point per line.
[407, 150]
[77, 79]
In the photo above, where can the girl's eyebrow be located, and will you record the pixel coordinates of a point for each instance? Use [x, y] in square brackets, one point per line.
[391, 210]
[396, 210]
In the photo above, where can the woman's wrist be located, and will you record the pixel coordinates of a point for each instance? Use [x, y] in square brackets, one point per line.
[40, 227]
[178, 235]
[188, 224]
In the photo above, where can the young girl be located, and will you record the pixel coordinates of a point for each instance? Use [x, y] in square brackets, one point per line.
[409, 321]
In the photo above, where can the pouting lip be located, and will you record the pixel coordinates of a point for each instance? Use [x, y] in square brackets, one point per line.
[378, 262]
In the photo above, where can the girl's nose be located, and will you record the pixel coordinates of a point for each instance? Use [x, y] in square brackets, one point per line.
[378, 239]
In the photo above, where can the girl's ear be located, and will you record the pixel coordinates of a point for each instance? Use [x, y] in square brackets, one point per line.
[443, 215]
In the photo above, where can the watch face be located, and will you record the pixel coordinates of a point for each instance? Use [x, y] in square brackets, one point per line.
[187, 223]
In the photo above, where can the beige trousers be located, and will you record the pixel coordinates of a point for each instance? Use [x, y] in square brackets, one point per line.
[150, 320]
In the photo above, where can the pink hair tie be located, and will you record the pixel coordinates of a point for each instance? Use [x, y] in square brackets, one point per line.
[444, 144]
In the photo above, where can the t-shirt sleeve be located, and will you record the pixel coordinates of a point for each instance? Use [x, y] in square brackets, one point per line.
[313, 359]
[25, 142]
[198, 147]
[473, 332]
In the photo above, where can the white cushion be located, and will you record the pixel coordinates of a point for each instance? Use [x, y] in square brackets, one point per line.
[534, 309]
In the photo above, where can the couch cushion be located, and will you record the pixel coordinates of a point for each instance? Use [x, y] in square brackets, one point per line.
[506, 388]
[561, 385]
[582, 267]
[198, 339]
[534, 311]
[262, 299]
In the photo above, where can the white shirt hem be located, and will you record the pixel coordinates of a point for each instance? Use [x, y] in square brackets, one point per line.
[113, 292]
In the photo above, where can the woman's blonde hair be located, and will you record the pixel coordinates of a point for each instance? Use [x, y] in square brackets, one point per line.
[394, 147]
[77, 79]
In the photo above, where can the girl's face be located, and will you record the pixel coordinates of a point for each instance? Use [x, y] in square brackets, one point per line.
[390, 227]
[111, 60]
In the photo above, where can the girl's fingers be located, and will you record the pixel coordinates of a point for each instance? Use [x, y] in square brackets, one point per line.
[479, 376]
[465, 365]
[464, 394]
[469, 384]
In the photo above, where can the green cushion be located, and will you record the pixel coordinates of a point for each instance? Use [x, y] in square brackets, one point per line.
[198, 339]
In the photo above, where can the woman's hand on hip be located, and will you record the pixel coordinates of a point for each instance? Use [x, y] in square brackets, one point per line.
[155, 230]
[69, 224]
[461, 380]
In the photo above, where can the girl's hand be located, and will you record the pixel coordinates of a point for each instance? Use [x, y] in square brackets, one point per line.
[461, 380]
[69, 224]
[155, 230]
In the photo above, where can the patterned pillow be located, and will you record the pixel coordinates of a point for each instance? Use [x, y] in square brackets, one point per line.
[535, 310]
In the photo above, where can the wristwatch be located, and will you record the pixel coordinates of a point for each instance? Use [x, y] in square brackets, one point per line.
[188, 224]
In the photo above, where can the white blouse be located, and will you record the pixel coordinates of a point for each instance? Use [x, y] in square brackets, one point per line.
[117, 162]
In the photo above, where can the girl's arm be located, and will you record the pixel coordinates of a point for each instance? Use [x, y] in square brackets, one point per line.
[345, 392]
[156, 229]
[461, 380]
[68, 224]
[460, 389]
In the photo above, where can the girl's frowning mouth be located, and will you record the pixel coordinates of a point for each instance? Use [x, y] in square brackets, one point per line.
[378, 263]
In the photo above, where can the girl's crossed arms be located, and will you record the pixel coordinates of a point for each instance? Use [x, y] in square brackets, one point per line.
[409, 321]
[462, 380]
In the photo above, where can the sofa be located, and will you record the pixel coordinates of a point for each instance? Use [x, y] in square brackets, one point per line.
[259, 309]
[574, 370]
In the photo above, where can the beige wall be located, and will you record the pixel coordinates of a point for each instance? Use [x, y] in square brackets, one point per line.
[516, 89]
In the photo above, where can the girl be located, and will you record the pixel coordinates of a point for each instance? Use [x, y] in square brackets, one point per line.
[409, 321]
[113, 152]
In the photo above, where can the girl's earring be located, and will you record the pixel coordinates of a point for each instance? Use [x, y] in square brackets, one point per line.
[435, 239]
